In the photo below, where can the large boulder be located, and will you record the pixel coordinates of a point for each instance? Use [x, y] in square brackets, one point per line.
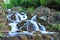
[44, 14]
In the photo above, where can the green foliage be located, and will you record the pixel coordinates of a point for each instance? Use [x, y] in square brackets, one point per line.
[44, 2]
[57, 26]
[58, 1]
[3, 5]
[22, 9]
[29, 3]
[30, 9]
[24, 3]
[12, 4]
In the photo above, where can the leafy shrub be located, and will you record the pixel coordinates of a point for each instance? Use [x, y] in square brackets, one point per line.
[45, 2]
[56, 26]
[24, 3]
[3, 5]
[29, 3]
[22, 9]
[30, 9]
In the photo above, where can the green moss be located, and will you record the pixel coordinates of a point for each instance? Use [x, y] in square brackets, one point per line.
[1, 33]
[1, 25]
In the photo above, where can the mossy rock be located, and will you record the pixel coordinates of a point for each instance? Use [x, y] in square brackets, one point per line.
[1, 25]
[1, 33]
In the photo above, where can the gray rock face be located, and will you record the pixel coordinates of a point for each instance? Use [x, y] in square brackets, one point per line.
[58, 16]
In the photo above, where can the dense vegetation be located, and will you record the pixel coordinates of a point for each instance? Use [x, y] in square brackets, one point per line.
[30, 3]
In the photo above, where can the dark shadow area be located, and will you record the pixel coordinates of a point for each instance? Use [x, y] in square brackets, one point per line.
[53, 5]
